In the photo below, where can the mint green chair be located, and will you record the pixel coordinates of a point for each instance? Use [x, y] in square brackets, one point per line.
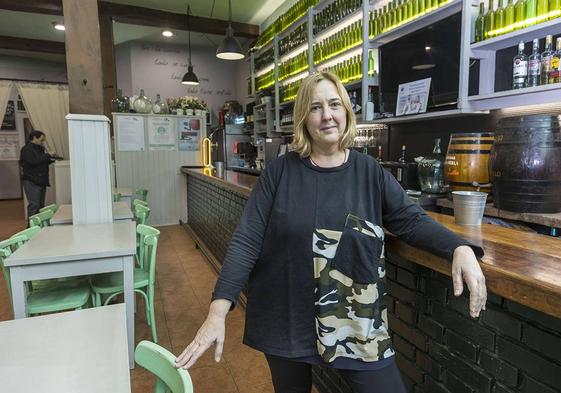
[117, 197]
[140, 202]
[141, 214]
[53, 207]
[141, 193]
[111, 284]
[161, 362]
[39, 301]
[41, 219]
[26, 234]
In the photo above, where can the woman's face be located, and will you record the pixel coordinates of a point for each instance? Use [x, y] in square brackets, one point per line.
[327, 117]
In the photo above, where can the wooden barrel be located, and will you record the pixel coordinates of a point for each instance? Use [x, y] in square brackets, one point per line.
[526, 164]
[467, 161]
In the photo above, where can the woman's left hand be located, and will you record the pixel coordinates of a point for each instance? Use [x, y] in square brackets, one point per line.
[465, 267]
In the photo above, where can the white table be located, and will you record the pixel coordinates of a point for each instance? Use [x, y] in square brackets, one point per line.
[121, 211]
[75, 250]
[126, 194]
[78, 351]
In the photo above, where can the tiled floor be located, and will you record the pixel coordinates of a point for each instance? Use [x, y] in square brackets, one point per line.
[184, 285]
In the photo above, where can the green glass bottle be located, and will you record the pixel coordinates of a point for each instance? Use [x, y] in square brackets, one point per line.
[435, 4]
[370, 64]
[410, 9]
[509, 16]
[405, 12]
[554, 9]
[500, 16]
[531, 12]
[519, 14]
[393, 13]
[421, 6]
[490, 20]
[542, 11]
[480, 23]
[415, 5]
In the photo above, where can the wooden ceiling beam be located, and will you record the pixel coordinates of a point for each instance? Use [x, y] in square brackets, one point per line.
[139, 16]
[27, 44]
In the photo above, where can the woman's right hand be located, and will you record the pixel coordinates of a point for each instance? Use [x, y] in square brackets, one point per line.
[212, 331]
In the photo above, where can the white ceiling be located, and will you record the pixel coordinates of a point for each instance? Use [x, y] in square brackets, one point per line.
[39, 26]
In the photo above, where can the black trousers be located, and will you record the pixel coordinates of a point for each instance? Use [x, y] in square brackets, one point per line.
[35, 197]
[296, 377]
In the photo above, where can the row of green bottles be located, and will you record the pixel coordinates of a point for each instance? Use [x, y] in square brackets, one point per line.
[334, 12]
[266, 58]
[288, 92]
[348, 70]
[296, 38]
[265, 80]
[339, 42]
[505, 19]
[399, 12]
[293, 66]
[285, 20]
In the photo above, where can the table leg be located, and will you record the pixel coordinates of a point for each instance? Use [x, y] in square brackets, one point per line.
[19, 298]
[128, 279]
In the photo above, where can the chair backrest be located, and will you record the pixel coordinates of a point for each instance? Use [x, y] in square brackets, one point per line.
[7, 247]
[27, 233]
[137, 202]
[148, 237]
[117, 197]
[41, 219]
[53, 207]
[160, 362]
[141, 193]
[141, 214]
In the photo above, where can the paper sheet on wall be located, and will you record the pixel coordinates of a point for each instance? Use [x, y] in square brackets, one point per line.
[189, 133]
[131, 133]
[161, 134]
[9, 147]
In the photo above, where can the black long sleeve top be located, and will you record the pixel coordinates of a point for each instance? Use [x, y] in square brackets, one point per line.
[271, 249]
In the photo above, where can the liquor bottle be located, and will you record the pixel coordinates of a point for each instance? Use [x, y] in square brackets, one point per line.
[379, 158]
[509, 16]
[534, 65]
[531, 11]
[500, 16]
[546, 60]
[402, 156]
[401, 160]
[520, 68]
[370, 104]
[519, 14]
[480, 23]
[490, 20]
[542, 10]
[555, 72]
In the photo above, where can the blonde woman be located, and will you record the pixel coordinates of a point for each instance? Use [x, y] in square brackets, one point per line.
[311, 245]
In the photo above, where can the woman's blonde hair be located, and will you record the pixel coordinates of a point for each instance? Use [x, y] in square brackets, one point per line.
[302, 142]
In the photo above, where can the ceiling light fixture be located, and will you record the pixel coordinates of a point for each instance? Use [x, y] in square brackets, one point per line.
[230, 48]
[167, 33]
[189, 78]
[58, 26]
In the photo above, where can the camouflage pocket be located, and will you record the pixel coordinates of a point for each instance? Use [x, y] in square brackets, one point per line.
[351, 317]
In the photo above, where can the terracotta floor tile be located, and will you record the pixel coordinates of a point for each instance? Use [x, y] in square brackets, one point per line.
[216, 379]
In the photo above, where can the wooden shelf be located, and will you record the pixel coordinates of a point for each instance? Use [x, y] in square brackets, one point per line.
[419, 23]
[519, 97]
[425, 116]
[552, 27]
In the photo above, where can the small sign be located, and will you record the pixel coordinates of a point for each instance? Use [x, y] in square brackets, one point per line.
[131, 133]
[161, 133]
[189, 133]
[412, 97]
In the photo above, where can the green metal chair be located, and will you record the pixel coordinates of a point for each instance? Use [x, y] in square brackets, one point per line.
[160, 362]
[111, 284]
[26, 234]
[117, 197]
[53, 207]
[39, 301]
[140, 202]
[141, 214]
[41, 219]
[141, 193]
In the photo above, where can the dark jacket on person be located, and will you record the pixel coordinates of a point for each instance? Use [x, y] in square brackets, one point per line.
[34, 162]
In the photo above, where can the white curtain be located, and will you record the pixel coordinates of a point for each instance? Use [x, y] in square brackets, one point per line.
[47, 105]
[5, 91]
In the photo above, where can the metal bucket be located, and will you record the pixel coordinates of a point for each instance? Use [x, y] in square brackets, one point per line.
[469, 207]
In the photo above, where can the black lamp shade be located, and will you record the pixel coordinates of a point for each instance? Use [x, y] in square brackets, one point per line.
[190, 78]
[230, 48]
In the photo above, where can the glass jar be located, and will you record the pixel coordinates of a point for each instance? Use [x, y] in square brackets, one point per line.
[142, 104]
[120, 103]
[430, 171]
[159, 107]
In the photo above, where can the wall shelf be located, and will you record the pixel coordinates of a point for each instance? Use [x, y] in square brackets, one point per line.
[519, 97]
[428, 19]
[344, 53]
[425, 116]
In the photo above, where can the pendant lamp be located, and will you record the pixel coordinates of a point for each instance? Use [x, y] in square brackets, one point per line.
[230, 48]
[189, 78]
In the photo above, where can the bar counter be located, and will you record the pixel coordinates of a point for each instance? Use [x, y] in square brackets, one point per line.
[514, 346]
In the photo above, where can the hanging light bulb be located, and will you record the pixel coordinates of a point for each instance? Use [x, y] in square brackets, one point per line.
[230, 48]
[189, 78]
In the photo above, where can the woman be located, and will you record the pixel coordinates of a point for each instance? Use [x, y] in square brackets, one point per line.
[310, 243]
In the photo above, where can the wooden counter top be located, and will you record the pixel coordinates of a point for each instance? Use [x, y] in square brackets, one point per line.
[520, 266]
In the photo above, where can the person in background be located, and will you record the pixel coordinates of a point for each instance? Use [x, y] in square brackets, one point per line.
[311, 245]
[34, 161]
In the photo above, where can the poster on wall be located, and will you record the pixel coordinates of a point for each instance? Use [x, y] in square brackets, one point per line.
[412, 97]
[131, 133]
[9, 122]
[161, 135]
[189, 133]
[9, 147]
